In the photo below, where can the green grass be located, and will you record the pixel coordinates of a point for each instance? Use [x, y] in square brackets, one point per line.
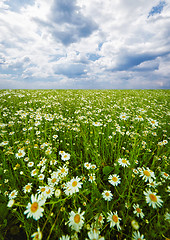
[29, 123]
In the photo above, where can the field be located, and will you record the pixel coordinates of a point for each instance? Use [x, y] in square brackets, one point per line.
[84, 164]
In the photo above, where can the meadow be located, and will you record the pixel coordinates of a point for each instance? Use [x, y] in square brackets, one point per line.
[84, 164]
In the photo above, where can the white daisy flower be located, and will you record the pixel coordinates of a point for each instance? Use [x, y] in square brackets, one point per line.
[99, 219]
[92, 177]
[34, 208]
[123, 162]
[137, 236]
[65, 157]
[107, 195]
[152, 199]
[37, 235]
[76, 220]
[114, 179]
[165, 175]
[138, 210]
[147, 174]
[73, 186]
[13, 194]
[87, 165]
[11, 203]
[94, 235]
[64, 237]
[114, 219]
[27, 188]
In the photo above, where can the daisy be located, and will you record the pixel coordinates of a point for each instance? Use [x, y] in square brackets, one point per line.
[123, 162]
[73, 186]
[123, 116]
[87, 165]
[99, 219]
[27, 188]
[41, 189]
[107, 195]
[114, 220]
[97, 124]
[147, 174]
[13, 194]
[135, 224]
[114, 179]
[92, 177]
[94, 235]
[76, 220]
[34, 172]
[165, 175]
[137, 236]
[48, 191]
[34, 208]
[37, 235]
[152, 199]
[41, 176]
[20, 154]
[64, 237]
[138, 210]
[30, 164]
[65, 157]
[62, 171]
[93, 166]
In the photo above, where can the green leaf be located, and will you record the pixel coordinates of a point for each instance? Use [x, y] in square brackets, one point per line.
[107, 170]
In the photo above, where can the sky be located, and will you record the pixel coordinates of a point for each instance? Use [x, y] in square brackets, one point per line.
[84, 44]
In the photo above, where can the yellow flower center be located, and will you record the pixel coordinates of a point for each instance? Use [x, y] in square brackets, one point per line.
[20, 154]
[53, 180]
[77, 218]
[27, 187]
[153, 197]
[114, 179]
[74, 184]
[138, 210]
[34, 207]
[124, 161]
[62, 170]
[107, 194]
[100, 218]
[166, 175]
[115, 218]
[146, 173]
[12, 194]
[43, 189]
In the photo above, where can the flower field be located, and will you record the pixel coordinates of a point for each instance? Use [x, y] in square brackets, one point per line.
[84, 164]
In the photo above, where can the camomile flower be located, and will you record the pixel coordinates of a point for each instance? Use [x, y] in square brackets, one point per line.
[30, 164]
[138, 210]
[94, 235]
[37, 235]
[135, 224]
[65, 157]
[27, 188]
[34, 172]
[147, 174]
[87, 165]
[64, 237]
[123, 162]
[123, 116]
[114, 179]
[73, 186]
[13, 194]
[62, 171]
[165, 175]
[114, 219]
[49, 190]
[34, 208]
[20, 154]
[107, 195]
[137, 236]
[97, 124]
[41, 176]
[99, 219]
[93, 166]
[76, 220]
[61, 153]
[152, 199]
[92, 177]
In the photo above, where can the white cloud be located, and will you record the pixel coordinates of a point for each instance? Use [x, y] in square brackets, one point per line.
[98, 43]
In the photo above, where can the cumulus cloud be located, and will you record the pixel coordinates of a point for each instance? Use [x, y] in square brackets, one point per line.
[85, 44]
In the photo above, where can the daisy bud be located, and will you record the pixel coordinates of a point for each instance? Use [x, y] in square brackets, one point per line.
[135, 224]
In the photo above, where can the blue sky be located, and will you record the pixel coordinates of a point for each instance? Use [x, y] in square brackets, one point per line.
[84, 44]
